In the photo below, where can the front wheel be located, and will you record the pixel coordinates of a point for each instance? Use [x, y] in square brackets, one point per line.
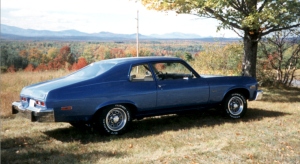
[235, 105]
[113, 120]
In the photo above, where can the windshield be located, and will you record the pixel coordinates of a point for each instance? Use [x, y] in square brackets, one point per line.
[92, 70]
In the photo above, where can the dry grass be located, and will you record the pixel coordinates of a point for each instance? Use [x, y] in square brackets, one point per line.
[269, 133]
[11, 85]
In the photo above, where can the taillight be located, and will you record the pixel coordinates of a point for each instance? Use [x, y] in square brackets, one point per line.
[40, 103]
[23, 98]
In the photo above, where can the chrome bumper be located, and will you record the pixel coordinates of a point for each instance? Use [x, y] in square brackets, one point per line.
[259, 95]
[34, 114]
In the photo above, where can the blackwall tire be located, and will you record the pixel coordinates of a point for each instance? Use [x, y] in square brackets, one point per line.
[235, 105]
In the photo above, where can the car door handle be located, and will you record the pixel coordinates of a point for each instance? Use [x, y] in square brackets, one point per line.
[161, 85]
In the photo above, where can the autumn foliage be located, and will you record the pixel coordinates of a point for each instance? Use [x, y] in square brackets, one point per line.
[53, 60]
[29, 68]
[41, 67]
[65, 57]
[11, 69]
[80, 64]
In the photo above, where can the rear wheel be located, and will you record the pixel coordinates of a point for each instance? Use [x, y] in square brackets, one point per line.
[113, 120]
[235, 105]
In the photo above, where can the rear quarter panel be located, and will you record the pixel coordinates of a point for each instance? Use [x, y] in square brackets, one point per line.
[88, 96]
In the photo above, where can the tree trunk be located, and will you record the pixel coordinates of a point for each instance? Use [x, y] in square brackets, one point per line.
[250, 54]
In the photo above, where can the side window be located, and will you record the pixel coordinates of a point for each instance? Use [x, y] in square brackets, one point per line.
[172, 71]
[141, 73]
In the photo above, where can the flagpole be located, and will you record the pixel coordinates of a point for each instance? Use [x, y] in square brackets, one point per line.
[137, 34]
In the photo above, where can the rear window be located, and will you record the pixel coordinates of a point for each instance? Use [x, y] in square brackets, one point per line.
[92, 70]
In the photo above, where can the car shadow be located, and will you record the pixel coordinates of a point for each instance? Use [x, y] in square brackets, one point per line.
[139, 129]
[159, 124]
[25, 150]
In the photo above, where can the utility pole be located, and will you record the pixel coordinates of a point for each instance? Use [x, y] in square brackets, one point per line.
[137, 34]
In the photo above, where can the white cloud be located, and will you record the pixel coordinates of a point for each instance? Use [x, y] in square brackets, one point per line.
[91, 16]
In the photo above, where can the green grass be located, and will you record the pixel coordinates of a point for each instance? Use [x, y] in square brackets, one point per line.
[269, 133]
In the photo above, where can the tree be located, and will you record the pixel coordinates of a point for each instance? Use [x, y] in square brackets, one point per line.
[219, 59]
[35, 56]
[11, 69]
[117, 53]
[10, 58]
[282, 51]
[52, 53]
[250, 19]
[41, 67]
[63, 59]
[65, 55]
[88, 54]
[29, 68]
[80, 64]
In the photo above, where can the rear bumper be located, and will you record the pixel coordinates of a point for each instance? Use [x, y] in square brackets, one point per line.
[259, 95]
[34, 114]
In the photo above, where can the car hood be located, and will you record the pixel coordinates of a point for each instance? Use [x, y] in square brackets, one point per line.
[222, 80]
[40, 90]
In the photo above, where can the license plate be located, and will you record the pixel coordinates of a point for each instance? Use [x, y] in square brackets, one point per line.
[31, 103]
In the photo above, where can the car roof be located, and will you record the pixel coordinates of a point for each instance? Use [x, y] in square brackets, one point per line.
[133, 60]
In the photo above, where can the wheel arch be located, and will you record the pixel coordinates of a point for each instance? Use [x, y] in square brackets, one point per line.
[245, 92]
[129, 105]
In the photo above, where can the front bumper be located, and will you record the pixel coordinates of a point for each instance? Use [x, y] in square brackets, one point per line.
[34, 114]
[259, 95]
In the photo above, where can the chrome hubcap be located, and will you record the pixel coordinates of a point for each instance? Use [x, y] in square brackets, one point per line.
[116, 119]
[235, 106]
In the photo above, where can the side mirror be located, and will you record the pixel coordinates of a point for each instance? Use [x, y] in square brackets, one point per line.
[148, 73]
[132, 77]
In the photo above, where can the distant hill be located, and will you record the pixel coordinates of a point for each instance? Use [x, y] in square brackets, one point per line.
[15, 33]
[38, 33]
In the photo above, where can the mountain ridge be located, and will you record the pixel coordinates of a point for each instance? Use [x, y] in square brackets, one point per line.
[12, 32]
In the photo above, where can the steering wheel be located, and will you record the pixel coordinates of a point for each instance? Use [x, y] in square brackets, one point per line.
[160, 75]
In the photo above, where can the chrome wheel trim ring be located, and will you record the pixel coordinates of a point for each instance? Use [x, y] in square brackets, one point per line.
[116, 119]
[235, 105]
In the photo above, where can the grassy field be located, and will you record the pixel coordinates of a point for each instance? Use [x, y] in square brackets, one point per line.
[269, 133]
[11, 85]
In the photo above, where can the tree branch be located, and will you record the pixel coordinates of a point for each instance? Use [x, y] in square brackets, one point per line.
[236, 32]
[238, 7]
[262, 6]
[219, 17]
[279, 29]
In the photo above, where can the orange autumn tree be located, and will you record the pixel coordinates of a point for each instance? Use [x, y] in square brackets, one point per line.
[80, 64]
[41, 67]
[65, 57]
[29, 68]
[11, 69]
[117, 53]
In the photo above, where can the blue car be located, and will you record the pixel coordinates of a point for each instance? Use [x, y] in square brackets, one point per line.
[109, 94]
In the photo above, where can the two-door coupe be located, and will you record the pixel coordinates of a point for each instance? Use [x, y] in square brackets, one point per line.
[109, 94]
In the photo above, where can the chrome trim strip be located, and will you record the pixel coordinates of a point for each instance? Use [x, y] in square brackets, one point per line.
[259, 95]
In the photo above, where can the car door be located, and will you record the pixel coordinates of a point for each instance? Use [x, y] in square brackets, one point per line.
[177, 85]
[142, 87]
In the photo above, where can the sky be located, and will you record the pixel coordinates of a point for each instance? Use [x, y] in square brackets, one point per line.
[93, 16]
